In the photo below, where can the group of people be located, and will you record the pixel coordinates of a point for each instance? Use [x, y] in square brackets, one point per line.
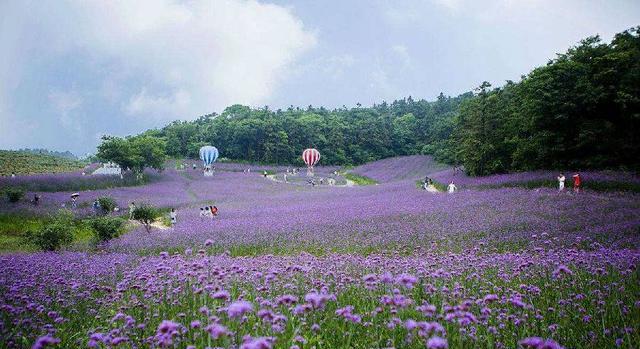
[429, 186]
[208, 211]
[293, 171]
[577, 182]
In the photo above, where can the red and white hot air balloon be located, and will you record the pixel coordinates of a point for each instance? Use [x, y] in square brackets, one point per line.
[310, 156]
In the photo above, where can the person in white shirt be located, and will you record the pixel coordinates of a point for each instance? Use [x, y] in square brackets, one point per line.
[561, 180]
[174, 216]
[451, 188]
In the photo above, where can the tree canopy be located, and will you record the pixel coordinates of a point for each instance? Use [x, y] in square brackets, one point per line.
[134, 153]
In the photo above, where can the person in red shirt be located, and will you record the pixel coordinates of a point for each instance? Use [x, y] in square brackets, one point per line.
[577, 182]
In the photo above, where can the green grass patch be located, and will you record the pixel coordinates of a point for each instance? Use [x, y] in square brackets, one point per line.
[359, 179]
[15, 229]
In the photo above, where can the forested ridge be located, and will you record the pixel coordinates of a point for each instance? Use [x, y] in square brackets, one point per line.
[581, 110]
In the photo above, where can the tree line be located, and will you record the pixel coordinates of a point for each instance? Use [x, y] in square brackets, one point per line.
[581, 110]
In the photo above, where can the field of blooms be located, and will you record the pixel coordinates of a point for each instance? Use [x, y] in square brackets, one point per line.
[291, 265]
[535, 178]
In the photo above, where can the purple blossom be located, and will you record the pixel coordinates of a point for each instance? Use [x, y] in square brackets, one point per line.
[217, 331]
[437, 343]
[45, 341]
[239, 308]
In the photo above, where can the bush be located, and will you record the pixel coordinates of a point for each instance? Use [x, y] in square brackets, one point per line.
[107, 204]
[14, 194]
[106, 228]
[55, 233]
[146, 214]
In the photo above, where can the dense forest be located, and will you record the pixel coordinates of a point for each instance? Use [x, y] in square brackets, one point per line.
[581, 110]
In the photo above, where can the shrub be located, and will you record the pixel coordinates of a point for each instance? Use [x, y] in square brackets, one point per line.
[14, 194]
[55, 233]
[107, 204]
[106, 228]
[146, 214]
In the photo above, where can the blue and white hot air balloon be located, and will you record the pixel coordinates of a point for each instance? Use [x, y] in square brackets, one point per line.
[208, 155]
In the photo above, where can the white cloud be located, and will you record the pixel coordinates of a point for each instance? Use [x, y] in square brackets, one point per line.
[402, 53]
[65, 103]
[335, 66]
[158, 106]
[453, 5]
[196, 56]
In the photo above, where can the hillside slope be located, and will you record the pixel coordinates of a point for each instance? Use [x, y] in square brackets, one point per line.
[400, 168]
[20, 162]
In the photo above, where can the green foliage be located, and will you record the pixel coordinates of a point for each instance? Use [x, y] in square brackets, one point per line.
[107, 204]
[146, 214]
[359, 179]
[343, 136]
[106, 228]
[581, 110]
[135, 153]
[14, 194]
[28, 162]
[55, 233]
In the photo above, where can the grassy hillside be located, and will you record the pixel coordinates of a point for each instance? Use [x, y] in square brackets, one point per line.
[22, 162]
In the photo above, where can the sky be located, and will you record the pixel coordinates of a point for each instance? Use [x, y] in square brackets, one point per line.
[72, 71]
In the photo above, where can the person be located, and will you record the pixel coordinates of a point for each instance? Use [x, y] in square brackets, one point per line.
[13, 175]
[132, 207]
[321, 180]
[36, 199]
[174, 216]
[561, 180]
[285, 176]
[577, 182]
[202, 213]
[73, 202]
[96, 206]
[194, 165]
[451, 188]
[214, 211]
[264, 174]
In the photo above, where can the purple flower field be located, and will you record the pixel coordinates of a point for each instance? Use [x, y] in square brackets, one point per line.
[288, 265]
[460, 179]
